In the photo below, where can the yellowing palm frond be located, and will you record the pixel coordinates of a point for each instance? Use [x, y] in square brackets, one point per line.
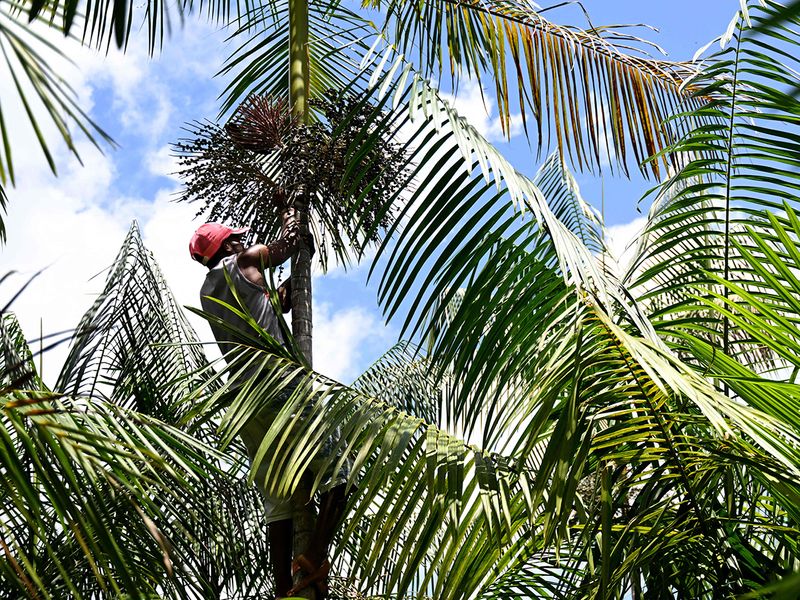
[592, 90]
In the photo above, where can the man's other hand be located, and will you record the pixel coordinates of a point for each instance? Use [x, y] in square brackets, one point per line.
[285, 295]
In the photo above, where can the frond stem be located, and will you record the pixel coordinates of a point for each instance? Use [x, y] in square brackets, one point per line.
[728, 172]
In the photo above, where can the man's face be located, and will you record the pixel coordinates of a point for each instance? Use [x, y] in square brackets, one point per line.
[235, 244]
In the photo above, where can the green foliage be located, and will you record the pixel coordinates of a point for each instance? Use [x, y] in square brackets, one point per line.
[562, 434]
[740, 165]
[46, 97]
[596, 91]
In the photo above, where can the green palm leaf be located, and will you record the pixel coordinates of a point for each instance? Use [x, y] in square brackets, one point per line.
[103, 21]
[596, 96]
[738, 166]
[260, 62]
[45, 96]
[3, 202]
[85, 485]
[16, 362]
[765, 309]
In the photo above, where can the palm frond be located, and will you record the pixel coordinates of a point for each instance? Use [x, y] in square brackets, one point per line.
[765, 309]
[3, 203]
[563, 196]
[135, 344]
[596, 91]
[463, 184]
[46, 97]
[738, 167]
[402, 378]
[17, 368]
[260, 63]
[455, 516]
[90, 491]
[102, 22]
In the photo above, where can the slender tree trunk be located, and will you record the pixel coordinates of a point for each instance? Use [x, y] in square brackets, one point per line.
[304, 517]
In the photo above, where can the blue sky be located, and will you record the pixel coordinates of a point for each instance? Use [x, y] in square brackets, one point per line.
[75, 223]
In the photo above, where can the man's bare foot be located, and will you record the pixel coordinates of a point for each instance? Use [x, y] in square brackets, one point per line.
[314, 575]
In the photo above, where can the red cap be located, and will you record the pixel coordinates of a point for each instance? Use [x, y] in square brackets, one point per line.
[208, 238]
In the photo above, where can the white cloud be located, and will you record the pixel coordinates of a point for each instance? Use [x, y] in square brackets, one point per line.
[339, 337]
[60, 224]
[621, 241]
[478, 109]
[144, 90]
[162, 163]
[76, 223]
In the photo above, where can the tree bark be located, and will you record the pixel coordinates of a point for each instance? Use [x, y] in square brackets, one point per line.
[302, 321]
[304, 517]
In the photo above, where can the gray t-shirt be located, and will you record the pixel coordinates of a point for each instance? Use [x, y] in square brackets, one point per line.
[255, 300]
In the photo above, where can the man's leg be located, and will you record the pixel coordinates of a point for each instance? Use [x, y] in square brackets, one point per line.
[280, 532]
[331, 510]
[313, 562]
[280, 552]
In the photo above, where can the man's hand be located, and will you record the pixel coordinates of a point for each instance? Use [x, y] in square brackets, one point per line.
[285, 294]
[308, 240]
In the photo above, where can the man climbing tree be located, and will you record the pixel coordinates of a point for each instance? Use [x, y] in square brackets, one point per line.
[236, 278]
[340, 176]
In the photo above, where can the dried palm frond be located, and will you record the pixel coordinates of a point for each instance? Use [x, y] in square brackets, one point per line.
[261, 123]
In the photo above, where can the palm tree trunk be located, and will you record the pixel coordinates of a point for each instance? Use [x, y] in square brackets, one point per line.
[303, 517]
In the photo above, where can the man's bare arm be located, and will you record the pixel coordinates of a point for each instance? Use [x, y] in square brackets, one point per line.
[262, 256]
